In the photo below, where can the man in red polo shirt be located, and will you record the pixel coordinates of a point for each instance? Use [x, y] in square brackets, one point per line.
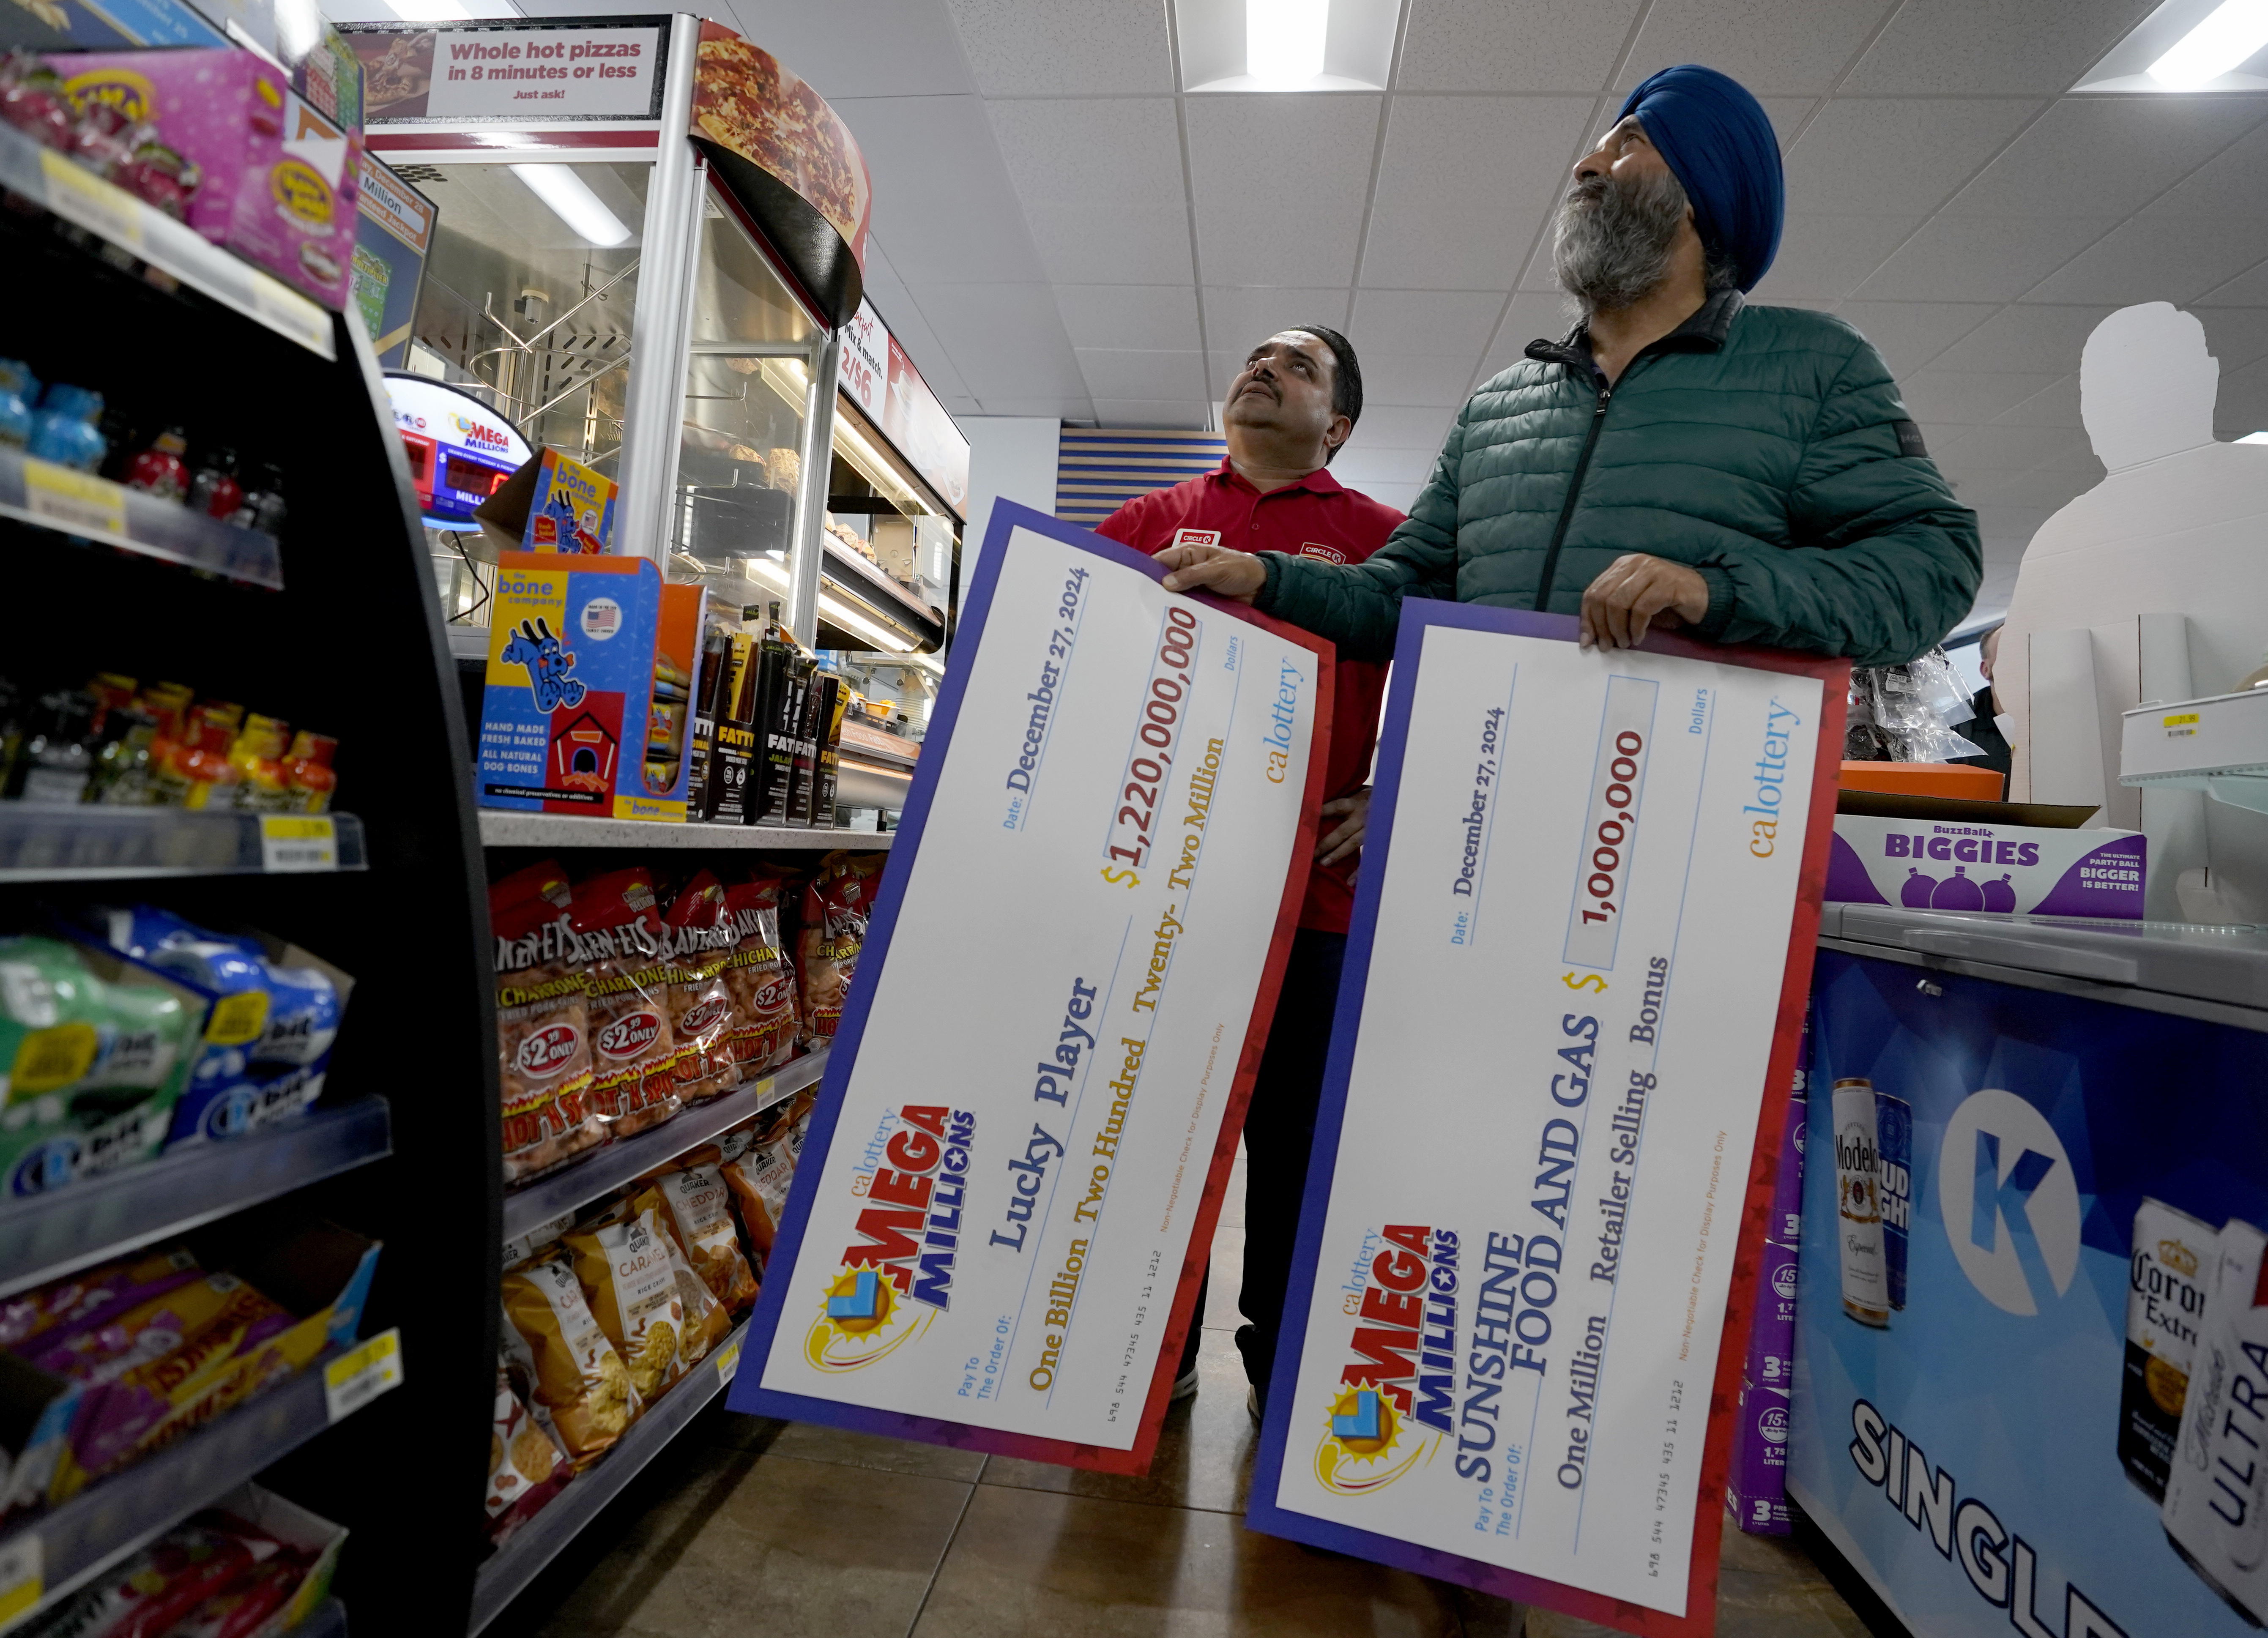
[1288, 411]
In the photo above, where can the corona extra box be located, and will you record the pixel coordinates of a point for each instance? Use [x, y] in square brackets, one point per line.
[585, 708]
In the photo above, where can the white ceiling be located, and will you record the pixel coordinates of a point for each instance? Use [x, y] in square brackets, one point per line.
[1061, 234]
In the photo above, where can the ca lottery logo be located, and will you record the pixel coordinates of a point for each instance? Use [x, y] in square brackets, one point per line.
[2009, 1200]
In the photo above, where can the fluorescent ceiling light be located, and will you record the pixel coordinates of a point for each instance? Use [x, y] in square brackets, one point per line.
[1283, 40]
[2235, 30]
[428, 10]
[573, 202]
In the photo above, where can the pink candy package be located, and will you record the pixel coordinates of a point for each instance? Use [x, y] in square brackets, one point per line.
[279, 179]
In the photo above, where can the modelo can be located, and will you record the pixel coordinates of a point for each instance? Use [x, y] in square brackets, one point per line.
[1859, 1204]
[2165, 1305]
[1893, 1152]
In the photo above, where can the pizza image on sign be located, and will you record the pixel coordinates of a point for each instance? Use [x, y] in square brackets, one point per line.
[745, 99]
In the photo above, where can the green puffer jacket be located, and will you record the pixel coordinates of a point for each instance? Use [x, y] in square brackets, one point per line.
[1765, 446]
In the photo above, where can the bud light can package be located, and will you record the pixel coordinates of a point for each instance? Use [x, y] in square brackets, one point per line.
[2216, 1507]
[2172, 1260]
[271, 1015]
[1998, 869]
[95, 1052]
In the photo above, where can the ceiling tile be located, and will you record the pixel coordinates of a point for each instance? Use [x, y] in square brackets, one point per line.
[2023, 491]
[2237, 336]
[1126, 372]
[1302, 227]
[1106, 243]
[1786, 114]
[1180, 413]
[1363, 466]
[1827, 257]
[1419, 379]
[1078, 408]
[2105, 155]
[1513, 44]
[1938, 395]
[1062, 48]
[2235, 179]
[1007, 341]
[2242, 407]
[851, 47]
[1238, 319]
[2158, 259]
[1898, 158]
[1971, 258]
[1464, 183]
[1531, 317]
[1129, 315]
[1071, 151]
[2246, 289]
[1388, 427]
[1401, 496]
[1424, 321]
[1909, 334]
[2031, 336]
[2017, 448]
[2054, 405]
[1767, 45]
[941, 194]
[1994, 47]
[902, 313]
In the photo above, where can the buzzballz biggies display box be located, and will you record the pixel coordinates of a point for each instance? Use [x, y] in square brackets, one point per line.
[280, 176]
[2009, 868]
[589, 666]
[573, 509]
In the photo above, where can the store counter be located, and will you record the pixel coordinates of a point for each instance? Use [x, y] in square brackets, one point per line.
[2036, 1148]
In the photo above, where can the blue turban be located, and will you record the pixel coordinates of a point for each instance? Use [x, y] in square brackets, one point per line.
[1721, 146]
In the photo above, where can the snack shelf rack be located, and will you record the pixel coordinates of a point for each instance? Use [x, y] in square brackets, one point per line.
[543, 1537]
[92, 843]
[88, 508]
[169, 251]
[609, 1168]
[44, 1237]
[500, 829]
[60, 1549]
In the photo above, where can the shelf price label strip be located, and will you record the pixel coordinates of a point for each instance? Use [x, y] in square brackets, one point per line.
[1532, 1171]
[293, 842]
[1111, 819]
[353, 1380]
[74, 501]
[22, 1577]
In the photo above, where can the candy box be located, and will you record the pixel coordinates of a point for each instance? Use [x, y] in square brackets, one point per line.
[36, 1410]
[315, 1539]
[589, 662]
[2008, 869]
[280, 178]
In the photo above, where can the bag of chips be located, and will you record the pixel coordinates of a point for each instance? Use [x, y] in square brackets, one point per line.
[543, 1030]
[700, 1009]
[700, 1207]
[629, 1281]
[577, 1385]
[526, 1468]
[706, 1322]
[798, 1123]
[759, 1177]
[617, 920]
[833, 931]
[763, 989]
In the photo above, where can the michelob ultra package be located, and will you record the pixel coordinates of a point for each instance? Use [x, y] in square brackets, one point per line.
[2216, 1505]
[2165, 1300]
[2007, 870]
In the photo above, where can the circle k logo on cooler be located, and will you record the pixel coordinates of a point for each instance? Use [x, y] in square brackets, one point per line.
[630, 1034]
[2000, 1170]
[549, 1050]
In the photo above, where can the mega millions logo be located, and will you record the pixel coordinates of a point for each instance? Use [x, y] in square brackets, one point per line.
[891, 1285]
[1391, 1410]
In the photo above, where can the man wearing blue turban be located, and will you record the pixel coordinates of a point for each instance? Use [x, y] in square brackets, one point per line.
[1679, 457]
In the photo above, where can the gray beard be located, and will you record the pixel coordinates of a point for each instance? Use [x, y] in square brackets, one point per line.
[1612, 243]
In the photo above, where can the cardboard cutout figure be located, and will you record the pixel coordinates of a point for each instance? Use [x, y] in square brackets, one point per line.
[2178, 528]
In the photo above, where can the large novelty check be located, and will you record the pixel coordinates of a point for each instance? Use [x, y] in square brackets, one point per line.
[1588, 904]
[1006, 1203]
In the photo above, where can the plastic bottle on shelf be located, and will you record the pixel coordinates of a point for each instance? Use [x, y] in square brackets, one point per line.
[209, 779]
[161, 470]
[63, 429]
[123, 773]
[263, 506]
[51, 769]
[308, 774]
[258, 758]
[19, 390]
[215, 491]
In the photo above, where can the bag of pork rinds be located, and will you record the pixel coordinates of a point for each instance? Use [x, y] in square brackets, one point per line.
[578, 1385]
[617, 921]
[543, 1031]
[706, 1322]
[835, 904]
[702, 1009]
[526, 1467]
[699, 1205]
[763, 988]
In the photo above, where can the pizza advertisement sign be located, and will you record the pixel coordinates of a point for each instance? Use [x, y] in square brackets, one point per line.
[523, 70]
[753, 106]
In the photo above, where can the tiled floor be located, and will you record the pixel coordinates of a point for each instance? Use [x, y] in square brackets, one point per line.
[775, 1530]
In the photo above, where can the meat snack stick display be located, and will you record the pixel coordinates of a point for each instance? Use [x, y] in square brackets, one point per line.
[624, 949]
[544, 1025]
